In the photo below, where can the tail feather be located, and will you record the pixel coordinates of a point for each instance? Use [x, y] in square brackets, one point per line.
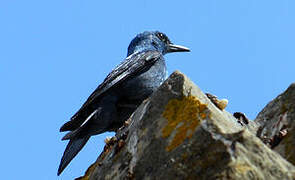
[72, 149]
[83, 128]
[71, 134]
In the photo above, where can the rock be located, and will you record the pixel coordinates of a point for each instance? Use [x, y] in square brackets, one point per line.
[220, 103]
[178, 133]
[244, 121]
[276, 124]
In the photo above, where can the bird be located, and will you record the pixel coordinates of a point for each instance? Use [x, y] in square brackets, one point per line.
[121, 92]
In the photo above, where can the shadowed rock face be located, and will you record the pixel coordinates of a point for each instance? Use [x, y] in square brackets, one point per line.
[178, 133]
[277, 126]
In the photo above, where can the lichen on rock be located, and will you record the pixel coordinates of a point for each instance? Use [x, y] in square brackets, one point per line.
[184, 116]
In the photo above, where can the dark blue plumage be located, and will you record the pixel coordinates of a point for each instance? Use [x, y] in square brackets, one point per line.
[122, 91]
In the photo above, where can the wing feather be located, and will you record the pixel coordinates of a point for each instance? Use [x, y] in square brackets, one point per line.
[133, 65]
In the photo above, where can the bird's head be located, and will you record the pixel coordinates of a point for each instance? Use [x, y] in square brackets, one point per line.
[154, 40]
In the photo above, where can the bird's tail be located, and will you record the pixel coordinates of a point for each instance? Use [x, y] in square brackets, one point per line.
[72, 149]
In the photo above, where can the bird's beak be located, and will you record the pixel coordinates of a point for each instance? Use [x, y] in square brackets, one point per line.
[177, 48]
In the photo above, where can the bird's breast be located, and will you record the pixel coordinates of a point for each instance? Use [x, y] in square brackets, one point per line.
[143, 85]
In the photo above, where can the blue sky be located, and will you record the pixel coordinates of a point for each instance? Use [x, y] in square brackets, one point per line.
[53, 54]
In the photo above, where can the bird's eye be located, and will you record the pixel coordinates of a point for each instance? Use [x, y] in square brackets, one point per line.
[163, 38]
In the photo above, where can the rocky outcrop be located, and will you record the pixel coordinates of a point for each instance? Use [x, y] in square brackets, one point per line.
[276, 124]
[178, 133]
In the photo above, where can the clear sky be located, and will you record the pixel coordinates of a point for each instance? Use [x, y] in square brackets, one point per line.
[53, 54]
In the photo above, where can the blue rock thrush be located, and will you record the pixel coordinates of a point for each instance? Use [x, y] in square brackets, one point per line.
[122, 91]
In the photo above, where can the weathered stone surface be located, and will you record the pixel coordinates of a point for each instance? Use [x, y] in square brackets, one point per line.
[277, 126]
[178, 133]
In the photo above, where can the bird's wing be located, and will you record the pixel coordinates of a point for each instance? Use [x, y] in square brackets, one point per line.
[133, 65]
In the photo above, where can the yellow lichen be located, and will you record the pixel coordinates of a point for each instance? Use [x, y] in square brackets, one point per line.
[183, 116]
